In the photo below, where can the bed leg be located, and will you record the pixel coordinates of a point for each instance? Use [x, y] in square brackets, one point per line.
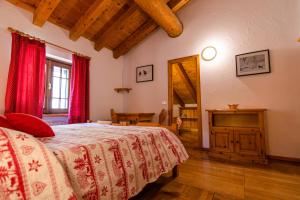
[175, 172]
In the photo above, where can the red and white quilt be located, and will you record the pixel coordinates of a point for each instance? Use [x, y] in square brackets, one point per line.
[28, 170]
[113, 162]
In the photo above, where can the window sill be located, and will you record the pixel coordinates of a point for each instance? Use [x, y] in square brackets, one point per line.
[56, 119]
[56, 115]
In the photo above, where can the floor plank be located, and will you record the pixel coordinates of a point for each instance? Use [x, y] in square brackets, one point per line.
[203, 179]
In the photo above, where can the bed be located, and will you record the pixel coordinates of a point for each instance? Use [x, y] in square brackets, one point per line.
[114, 162]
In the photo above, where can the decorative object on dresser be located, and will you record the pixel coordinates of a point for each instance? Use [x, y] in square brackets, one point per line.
[144, 73]
[257, 62]
[233, 106]
[237, 135]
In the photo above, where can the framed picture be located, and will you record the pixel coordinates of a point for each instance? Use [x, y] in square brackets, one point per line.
[253, 63]
[144, 73]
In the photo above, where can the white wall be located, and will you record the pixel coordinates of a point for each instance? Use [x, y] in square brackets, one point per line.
[105, 71]
[233, 27]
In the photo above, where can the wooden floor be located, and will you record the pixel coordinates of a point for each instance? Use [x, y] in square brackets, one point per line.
[203, 179]
[190, 139]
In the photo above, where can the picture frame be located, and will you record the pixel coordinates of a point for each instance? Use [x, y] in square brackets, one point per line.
[257, 62]
[144, 73]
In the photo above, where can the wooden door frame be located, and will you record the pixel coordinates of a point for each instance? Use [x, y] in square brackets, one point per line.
[198, 88]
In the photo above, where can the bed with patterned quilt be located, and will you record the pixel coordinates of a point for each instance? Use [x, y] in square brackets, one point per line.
[87, 161]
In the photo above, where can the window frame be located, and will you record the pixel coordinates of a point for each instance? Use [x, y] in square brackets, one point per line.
[50, 63]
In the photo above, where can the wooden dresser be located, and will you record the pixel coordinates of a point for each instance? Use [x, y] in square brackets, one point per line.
[237, 135]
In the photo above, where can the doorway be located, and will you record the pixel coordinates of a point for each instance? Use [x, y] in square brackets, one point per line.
[184, 99]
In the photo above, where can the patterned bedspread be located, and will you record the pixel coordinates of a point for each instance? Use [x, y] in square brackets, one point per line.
[114, 162]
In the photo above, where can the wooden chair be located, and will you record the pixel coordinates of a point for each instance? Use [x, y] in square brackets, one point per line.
[162, 117]
[114, 117]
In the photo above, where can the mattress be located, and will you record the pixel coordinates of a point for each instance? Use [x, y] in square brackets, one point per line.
[114, 162]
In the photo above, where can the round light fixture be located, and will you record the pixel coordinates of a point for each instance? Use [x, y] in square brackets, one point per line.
[209, 53]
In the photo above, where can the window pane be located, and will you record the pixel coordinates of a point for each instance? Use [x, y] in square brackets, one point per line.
[64, 88]
[65, 73]
[56, 71]
[55, 87]
[63, 104]
[57, 99]
[55, 103]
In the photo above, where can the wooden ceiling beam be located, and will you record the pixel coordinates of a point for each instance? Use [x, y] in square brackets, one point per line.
[140, 34]
[161, 13]
[178, 99]
[44, 11]
[128, 33]
[21, 4]
[104, 9]
[187, 81]
[117, 25]
[145, 30]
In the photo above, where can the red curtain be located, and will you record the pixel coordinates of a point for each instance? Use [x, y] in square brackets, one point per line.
[26, 78]
[80, 90]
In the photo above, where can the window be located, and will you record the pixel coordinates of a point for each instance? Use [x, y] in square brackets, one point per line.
[57, 87]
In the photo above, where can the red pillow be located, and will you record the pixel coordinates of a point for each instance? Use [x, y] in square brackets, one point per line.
[30, 124]
[4, 122]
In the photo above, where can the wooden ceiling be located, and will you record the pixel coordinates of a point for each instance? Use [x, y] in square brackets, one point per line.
[118, 25]
[184, 78]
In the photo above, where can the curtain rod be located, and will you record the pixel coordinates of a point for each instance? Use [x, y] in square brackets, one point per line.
[44, 41]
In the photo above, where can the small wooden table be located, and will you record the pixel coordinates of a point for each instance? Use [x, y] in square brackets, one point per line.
[132, 118]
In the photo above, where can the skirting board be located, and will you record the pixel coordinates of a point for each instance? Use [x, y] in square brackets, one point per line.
[272, 157]
[282, 158]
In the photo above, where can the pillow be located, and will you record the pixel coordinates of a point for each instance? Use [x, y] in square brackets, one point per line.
[4, 122]
[29, 170]
[30, 124]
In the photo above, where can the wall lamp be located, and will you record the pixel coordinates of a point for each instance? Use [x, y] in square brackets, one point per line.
[209, 53]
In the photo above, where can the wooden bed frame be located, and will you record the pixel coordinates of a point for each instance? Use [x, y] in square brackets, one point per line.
[175, 172]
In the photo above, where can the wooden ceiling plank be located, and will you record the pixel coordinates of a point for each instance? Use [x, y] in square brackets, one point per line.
[178, 99]
[142, 32]
[100, 8]
[118, 24]
[161, 13]
[23, 5]
[44, 11]
[186, 80]
[178, 5]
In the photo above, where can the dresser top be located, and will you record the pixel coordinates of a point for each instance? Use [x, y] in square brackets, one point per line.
[238, 110]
